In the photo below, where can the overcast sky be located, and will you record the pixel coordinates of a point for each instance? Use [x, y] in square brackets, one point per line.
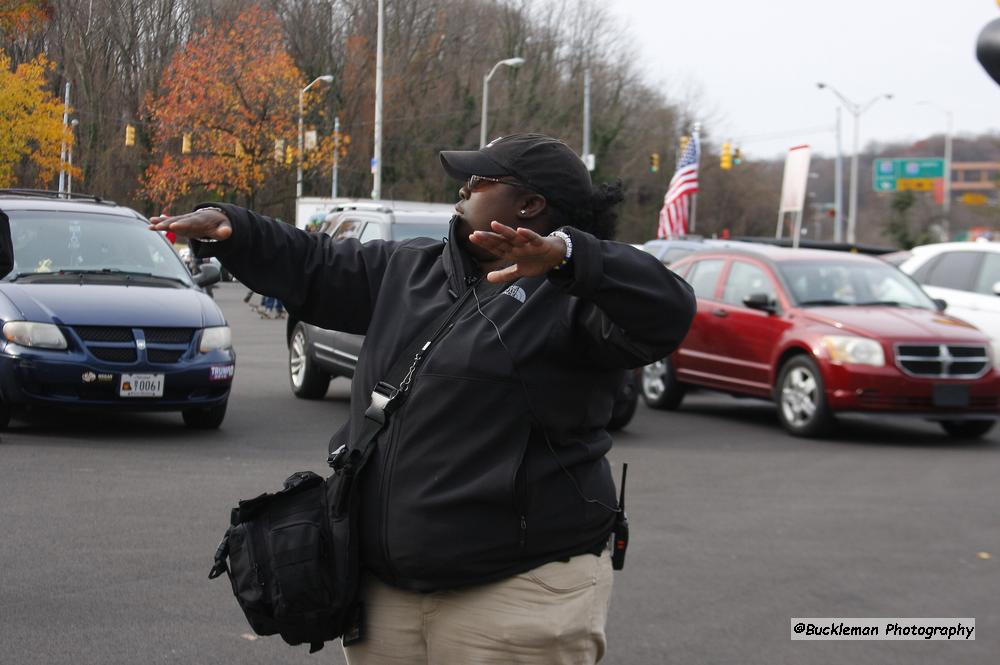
[755, 65]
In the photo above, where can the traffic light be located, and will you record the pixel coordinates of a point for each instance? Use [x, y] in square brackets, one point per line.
[129, 135]
[654, 162]
[726, 161]
[737, 155]
[186, 143]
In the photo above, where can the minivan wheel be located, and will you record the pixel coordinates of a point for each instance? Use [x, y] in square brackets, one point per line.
[205, 418]
[660, 387]
[967, 429]
[801, 399]
[4, 415]
[307, 380]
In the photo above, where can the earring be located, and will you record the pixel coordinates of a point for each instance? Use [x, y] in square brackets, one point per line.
[523, 212]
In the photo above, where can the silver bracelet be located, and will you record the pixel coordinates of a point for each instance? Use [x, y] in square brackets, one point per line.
[217, 209]
[569, 247]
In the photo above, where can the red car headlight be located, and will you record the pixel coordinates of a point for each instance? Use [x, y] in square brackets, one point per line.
[852, 350]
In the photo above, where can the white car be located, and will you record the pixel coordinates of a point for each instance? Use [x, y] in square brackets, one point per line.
[966, 275]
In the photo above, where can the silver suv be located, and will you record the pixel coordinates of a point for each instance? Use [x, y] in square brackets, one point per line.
[316, 355]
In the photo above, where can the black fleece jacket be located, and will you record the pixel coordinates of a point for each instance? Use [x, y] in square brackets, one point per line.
[496, 463]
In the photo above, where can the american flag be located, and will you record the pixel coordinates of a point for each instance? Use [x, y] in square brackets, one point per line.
[676, 202]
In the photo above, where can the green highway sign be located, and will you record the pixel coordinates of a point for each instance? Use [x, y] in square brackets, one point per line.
[915, 173]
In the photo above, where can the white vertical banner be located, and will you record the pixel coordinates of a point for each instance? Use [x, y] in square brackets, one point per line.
[793, 189]
[310, 139]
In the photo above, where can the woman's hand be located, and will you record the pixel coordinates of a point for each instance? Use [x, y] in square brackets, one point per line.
[205, 223]
[532, 254]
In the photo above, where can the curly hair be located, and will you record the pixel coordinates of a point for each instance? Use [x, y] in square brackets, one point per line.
[598, 216]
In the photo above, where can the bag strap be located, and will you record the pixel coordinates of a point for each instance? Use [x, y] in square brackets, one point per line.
[389, 393]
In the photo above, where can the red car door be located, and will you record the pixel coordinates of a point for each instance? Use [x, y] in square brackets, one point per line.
[697, 360]
[752, 335]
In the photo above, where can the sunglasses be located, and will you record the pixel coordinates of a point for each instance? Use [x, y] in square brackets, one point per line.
[476, 180]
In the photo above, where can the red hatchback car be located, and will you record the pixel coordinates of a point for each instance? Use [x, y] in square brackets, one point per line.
[822, 332]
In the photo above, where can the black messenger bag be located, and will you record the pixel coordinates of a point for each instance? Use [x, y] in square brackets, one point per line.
[292, 556]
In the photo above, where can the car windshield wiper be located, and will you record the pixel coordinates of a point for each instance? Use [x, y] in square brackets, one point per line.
[888, 303]
[116, 272]
[822, 303]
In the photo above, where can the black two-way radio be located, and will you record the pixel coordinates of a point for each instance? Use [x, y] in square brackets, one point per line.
[619, 542]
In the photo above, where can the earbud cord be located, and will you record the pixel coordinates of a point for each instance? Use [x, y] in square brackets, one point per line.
[527, 400]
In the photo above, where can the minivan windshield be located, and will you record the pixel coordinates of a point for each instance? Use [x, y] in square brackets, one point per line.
[832, 283]
[48, 242]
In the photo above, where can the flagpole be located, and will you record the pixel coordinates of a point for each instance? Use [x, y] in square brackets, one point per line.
[695, 131]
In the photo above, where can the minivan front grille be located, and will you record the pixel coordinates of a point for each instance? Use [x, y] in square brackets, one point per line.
[104, 334]
[943, 361]
[117, 344]
[168, 335]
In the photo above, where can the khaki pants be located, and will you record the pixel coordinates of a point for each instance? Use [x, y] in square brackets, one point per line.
[551, 615]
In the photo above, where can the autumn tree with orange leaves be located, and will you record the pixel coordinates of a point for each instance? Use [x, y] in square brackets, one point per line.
[234, 90]
[30, 123]
[20, 16]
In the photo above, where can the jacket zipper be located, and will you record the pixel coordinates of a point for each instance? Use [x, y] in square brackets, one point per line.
[519, 494]
[395, 426]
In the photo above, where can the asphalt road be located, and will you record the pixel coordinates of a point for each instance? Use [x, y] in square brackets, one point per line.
[108, 525]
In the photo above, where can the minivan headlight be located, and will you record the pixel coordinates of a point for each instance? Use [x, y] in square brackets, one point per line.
[215, 339]
[34, 335]
[854, 350]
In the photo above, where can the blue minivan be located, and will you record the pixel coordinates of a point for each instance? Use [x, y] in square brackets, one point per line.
[100, 312]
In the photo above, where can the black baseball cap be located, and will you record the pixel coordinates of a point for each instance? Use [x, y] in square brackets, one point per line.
[546, 165]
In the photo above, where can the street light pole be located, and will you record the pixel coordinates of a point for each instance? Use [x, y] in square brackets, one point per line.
[946, 202]
[302, 110]
[856, 110]
[377, 158]
[838, 188]
[586, 116]
[509, 62]
[336, 155]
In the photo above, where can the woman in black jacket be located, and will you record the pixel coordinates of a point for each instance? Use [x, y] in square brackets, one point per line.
[488, 502]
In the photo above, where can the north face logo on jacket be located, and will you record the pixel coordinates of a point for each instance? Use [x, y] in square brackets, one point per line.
[516, 292]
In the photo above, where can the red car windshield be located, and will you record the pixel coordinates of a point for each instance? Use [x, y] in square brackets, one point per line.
[817, 284]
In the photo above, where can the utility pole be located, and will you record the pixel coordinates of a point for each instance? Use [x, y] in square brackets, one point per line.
[377, 159]
[62, 152]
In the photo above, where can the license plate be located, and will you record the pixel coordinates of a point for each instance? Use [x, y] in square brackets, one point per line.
[141, 385]
[950, 395]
